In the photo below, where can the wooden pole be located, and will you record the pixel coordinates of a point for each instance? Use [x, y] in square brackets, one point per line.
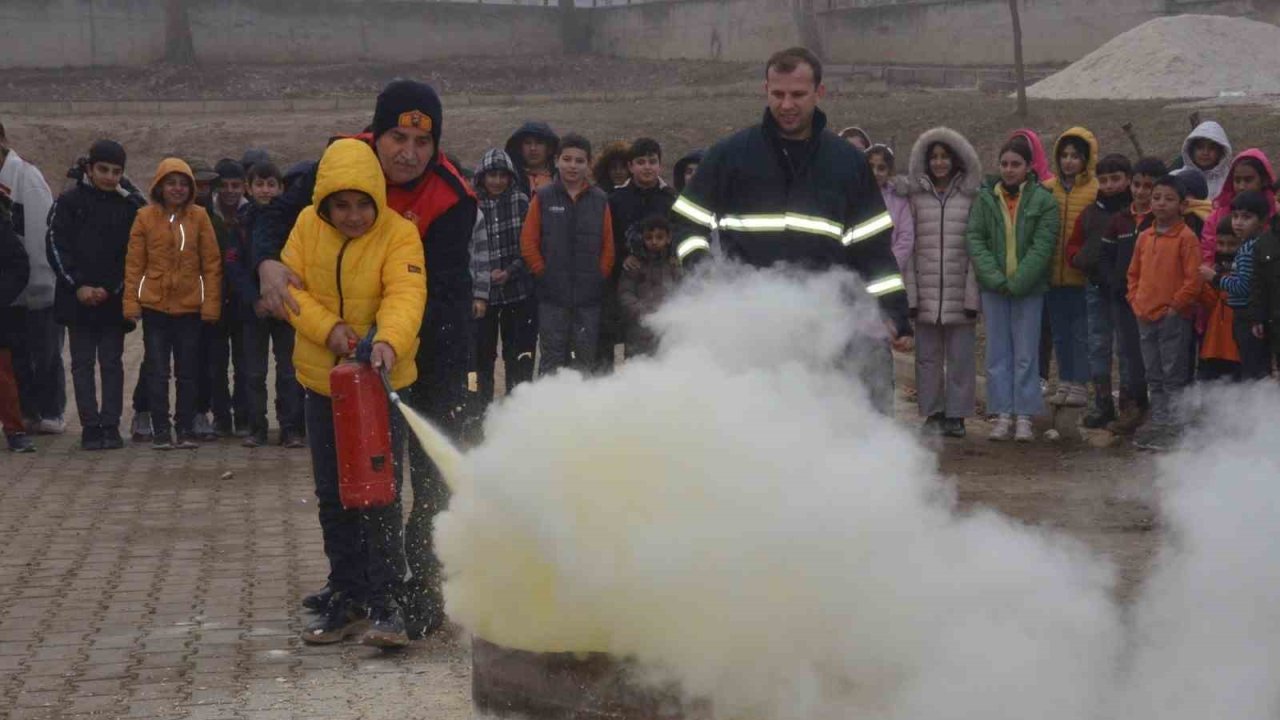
[1019, 67]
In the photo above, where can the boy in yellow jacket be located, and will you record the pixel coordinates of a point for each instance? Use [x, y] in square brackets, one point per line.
[172, 281]
[361, 265]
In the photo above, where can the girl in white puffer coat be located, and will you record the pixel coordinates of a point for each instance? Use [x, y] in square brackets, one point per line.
[943, 177]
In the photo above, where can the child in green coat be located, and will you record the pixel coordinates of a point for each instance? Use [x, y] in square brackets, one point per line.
[1013, 228]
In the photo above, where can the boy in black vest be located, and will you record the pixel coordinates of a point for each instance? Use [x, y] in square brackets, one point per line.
[88, 239]
[567, 243]
[1084, 252]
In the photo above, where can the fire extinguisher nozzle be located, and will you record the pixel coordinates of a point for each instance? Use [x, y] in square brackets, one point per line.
[392, 395]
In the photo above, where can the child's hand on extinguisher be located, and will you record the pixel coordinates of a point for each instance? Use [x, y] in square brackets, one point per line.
[342, 340]
[383, 356]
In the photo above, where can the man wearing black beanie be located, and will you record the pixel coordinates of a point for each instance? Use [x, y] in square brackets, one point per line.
[425, 187]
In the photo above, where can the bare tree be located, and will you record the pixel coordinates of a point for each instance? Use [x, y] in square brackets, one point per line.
[178, 46]
[1019, 67]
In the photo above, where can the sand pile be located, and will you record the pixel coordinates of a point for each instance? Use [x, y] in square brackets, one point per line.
[1187, 56]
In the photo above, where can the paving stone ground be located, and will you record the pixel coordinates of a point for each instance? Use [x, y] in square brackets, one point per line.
[144, 584]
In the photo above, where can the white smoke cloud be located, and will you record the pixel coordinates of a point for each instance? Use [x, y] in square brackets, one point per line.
[735, 515]
[1206, 630]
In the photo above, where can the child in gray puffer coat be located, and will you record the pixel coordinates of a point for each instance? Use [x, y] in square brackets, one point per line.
[943, 177]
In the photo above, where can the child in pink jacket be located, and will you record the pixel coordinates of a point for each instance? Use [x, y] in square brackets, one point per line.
[880, 157]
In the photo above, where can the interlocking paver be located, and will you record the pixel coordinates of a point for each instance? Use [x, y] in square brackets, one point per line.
[140, 584]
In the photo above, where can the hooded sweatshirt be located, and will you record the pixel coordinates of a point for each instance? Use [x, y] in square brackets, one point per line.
[377, 278]
[24, 185]
[539, 130]
[1222, 203]
[1218, 175]
[941, 284]
[504, 218]
[677, 172]
[1083, 193]
[1039, 163]
[173, 265]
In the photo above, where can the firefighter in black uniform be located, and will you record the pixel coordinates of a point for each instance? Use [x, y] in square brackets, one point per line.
[790, 191]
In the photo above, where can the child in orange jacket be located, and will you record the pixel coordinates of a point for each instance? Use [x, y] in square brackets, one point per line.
[1164, 282]
[173, 281]
[1219, 355]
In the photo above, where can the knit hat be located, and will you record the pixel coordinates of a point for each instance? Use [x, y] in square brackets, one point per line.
[408, 103]
[1252, 201]
[201, 170]
[229, 169]
[254, 156]
[107, 151]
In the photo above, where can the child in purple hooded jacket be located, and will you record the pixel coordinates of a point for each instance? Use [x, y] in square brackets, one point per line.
[880, 158]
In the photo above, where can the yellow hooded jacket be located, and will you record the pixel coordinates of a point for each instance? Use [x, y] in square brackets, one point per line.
[173, 265]
[1084, 192]
[377, 277]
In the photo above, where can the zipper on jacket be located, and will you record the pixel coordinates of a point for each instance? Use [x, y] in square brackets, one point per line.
[141, 282]
[341, 300]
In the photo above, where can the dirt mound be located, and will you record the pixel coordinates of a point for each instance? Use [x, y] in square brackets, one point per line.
[1187, 56]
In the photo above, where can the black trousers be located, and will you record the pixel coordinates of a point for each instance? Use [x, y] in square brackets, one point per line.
[99, 347]
[167, 337]
[1255, 355]
[365, 547]
[516, 323]
[37, 364]
[263, 337]
[221, 350]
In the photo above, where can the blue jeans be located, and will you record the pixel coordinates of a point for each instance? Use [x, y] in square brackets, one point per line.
[1101, 332]
[1013, 353]
[1068, 319]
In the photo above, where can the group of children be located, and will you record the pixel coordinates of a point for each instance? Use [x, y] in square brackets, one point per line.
[1122, 260]
[1173, 273]
[175, 259]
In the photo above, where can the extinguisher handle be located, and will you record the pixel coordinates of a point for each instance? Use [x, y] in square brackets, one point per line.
[364, 348]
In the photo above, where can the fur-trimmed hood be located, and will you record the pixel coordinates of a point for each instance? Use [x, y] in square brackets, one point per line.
[916, 179]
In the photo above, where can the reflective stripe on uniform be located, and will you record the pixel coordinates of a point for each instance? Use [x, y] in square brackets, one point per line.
[787, 221]
[868, 228]
[691, 245]
[885, 285]
[694, 212]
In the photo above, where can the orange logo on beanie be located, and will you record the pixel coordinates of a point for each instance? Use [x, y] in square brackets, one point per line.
[415, 119]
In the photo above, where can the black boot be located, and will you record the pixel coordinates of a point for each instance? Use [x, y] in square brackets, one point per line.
[1104, 406]
[386, 626]
[423, 608]
[343, 618]
[318, 600]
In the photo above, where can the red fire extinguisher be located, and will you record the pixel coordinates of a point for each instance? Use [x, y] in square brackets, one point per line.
[362, 432]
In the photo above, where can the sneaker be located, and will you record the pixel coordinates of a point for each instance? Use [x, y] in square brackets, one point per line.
[52, 426]
[1155, 438]
[201, 429]
[932, 425]
[953, 427]
[318, 600]
[1001, 429]
[386, 627]
[187, 440]
[20, 443]
[292, 439]
[254, 440]
[341, 620]
[162, 441]
[111, 439]
[1077, 395]
[91, 438]
[140, 428]
[1024, 433]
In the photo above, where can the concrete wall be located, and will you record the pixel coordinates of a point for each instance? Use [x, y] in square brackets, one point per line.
[58, 33]
[943, 32]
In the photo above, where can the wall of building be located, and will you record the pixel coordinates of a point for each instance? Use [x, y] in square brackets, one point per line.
[78, 33]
